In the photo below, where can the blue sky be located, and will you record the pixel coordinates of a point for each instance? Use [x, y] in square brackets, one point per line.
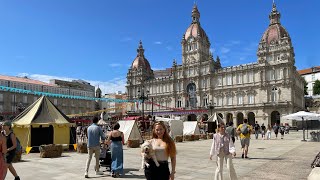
[97, 40]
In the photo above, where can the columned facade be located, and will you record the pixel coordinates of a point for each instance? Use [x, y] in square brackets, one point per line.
[261, 91]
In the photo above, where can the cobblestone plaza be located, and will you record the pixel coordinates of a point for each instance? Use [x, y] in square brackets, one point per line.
[269, 159]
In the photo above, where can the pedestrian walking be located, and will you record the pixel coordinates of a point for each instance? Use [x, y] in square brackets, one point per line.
[11, 147]
[269, 129]
[282, 129]
[276, 129]
[256, 129]
[263, 131]
[94, 133]
[223, 149]
[163, 147]
[3, 151]
[244, 130]
[117, 140]
[231, 131]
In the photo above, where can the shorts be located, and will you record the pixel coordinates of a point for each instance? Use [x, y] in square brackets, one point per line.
[244, 142]
[10, 156]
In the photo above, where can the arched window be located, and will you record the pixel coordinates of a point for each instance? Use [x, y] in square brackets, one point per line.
[274, 93]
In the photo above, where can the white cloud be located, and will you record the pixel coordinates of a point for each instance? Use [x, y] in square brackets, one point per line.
[110, 86]
[126, 39]
[224, 50]
[158, 42]
[234, 42]
[115, 65]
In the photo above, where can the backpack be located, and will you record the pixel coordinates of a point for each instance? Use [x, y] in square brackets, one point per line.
[230, 131]
[19, 147]
[244, 129]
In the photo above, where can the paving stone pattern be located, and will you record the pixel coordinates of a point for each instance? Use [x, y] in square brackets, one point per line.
[288, 158]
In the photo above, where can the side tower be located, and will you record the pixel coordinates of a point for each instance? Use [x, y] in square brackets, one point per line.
[139, 73]
[281, 84]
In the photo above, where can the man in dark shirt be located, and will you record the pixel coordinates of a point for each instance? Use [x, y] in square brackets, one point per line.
[231, 131]
[263, 130]
[256, 129]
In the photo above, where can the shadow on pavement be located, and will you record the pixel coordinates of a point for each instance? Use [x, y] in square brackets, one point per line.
[129, 174]
[272, 159]
[21, 161]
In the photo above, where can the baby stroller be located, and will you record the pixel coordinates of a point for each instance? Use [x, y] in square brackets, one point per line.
[105, 157]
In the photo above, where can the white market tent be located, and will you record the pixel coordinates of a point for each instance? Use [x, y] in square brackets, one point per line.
[102, 122]
[175, 126]
[302, 116]
[130, 130]
[190, 127]
[215, 117]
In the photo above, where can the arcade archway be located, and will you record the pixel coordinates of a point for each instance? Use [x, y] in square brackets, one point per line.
[192, 117]
[239, 118]
[251, 118]
[275, 117]
[229, 118]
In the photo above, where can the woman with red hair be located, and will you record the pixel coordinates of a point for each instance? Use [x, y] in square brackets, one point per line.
[164, 147]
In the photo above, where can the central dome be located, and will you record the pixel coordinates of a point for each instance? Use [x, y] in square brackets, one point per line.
[196, 31]
[275, 31]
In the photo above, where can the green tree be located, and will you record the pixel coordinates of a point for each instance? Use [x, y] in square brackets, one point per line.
[305, 86]
[316, 87]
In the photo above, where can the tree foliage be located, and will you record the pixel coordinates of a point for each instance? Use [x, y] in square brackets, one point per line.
[316, 87]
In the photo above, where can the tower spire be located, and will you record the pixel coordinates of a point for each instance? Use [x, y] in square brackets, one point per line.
[195, 14]
[274, 15]
[140, 49]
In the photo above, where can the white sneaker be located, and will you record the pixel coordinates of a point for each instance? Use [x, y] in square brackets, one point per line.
[86, 175]
[99, 173]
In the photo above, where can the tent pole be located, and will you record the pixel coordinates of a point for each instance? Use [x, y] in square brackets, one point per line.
[304, 139]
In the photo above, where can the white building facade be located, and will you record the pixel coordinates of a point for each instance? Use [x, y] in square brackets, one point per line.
[310, 75]
[261, 91]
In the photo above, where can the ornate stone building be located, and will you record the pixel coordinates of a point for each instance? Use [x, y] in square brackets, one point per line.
[261, 91]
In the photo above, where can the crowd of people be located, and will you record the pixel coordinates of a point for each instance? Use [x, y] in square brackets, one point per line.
[222, 149]
[163, 146]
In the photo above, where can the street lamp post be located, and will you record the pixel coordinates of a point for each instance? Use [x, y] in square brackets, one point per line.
[211, 107]
[211, 125]
[142, 96]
